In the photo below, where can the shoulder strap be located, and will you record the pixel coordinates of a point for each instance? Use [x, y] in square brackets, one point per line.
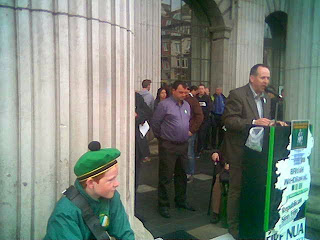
[89, 217]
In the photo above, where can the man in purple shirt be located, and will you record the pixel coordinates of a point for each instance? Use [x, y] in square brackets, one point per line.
[170, 124]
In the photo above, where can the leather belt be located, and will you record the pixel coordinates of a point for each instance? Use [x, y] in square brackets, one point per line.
[174, 142]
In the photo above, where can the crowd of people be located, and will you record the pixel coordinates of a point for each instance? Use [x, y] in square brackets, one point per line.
[187, 121]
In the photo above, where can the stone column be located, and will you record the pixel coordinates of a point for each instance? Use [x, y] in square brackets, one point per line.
[9, 126]
[302, 74]
[147, 22]
[246, 42]
[67, 78]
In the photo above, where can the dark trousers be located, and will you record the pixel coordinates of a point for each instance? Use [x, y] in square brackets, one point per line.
[234, 199]
[141, 151]
[217, 130]
[202, 135]
[173, 159]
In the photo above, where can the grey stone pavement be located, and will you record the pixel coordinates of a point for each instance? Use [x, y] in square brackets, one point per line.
[195, 223]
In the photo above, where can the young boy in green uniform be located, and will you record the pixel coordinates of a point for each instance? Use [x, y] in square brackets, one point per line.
[96, 172]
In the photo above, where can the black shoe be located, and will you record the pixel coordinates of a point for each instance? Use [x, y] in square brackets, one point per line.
[214, 218]
[164, 212]
[185, 206]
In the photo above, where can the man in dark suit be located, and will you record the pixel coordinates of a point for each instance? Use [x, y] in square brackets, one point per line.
[245, 105]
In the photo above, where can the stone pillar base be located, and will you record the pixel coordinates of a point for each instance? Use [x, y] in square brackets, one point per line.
[140, 231]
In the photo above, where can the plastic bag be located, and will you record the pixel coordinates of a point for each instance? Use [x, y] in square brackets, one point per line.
[255, 139]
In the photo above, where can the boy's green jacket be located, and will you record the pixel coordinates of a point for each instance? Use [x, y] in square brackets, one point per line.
[66, 220]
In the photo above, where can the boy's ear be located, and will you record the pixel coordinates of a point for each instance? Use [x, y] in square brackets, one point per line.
[89, 182]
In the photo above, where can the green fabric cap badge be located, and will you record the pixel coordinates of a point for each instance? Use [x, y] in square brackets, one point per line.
[96, 161]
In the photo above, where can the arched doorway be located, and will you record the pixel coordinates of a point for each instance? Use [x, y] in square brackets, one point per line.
[186, 40]
[275, 46]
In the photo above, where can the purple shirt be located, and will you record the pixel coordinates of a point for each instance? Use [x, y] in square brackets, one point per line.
[171, 121]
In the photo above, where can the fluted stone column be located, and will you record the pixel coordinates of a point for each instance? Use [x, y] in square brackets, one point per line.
[302, 74]
[67, 78]
[8, 124]
[246, 41]
[147, 42]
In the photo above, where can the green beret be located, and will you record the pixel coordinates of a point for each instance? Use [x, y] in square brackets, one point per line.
[96, 161]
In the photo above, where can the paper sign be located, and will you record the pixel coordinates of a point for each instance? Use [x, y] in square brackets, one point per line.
[144, 128]
[299, 131]
[294, 231]
[294, 181]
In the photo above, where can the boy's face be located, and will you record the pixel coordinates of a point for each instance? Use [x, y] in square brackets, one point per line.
[107, 184]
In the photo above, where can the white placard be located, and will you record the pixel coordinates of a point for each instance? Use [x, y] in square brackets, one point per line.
[203, 104]
[294, 181]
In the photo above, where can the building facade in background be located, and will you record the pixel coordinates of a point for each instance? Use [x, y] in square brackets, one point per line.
[185, 45]
[69, 70]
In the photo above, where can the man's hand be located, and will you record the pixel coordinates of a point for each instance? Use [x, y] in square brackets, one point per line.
[283, 124]
[263, 122]
[215, 157]
[190, 134]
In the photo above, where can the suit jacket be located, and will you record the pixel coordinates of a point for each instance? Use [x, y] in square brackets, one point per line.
[144, 113]
[240, 110]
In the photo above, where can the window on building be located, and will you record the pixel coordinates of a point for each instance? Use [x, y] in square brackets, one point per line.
[177, 47]
[186, 44]
[165, 46]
